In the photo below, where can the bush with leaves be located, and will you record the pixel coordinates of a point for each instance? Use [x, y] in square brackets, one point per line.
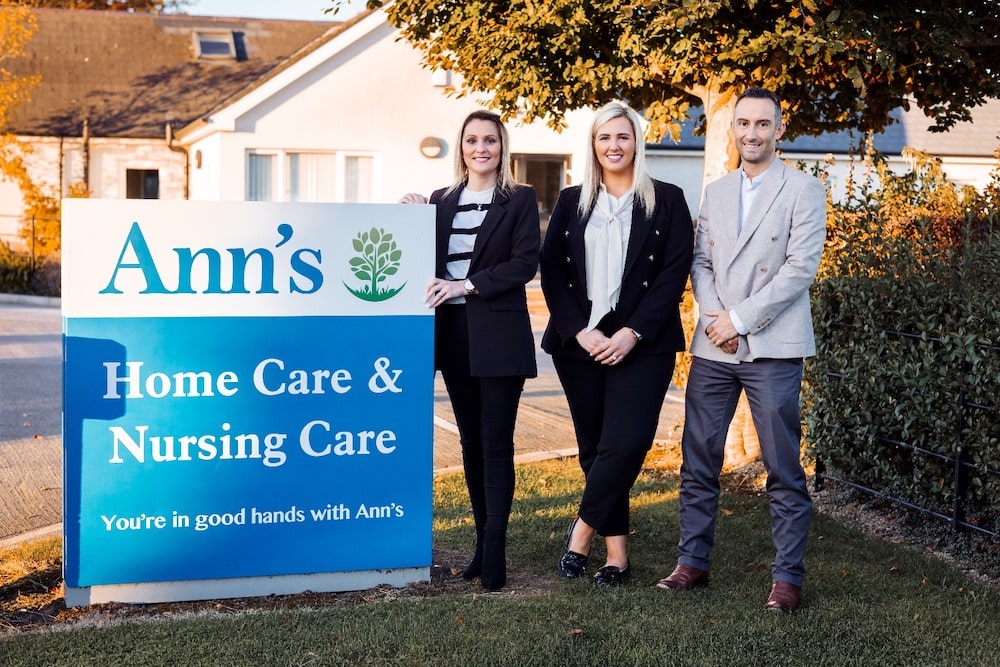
[908, 331]
[15, 271]
[19, 274]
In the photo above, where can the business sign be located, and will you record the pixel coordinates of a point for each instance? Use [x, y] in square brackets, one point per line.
[247, 398]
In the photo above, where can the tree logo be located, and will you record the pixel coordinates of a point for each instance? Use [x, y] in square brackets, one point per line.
[378, 259]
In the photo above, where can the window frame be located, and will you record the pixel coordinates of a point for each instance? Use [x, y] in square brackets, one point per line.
[142, 174]
[223, 37]
[281, 185]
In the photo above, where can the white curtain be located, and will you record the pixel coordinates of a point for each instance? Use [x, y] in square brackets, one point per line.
[260, 177]
[358, 179]
[312, 177]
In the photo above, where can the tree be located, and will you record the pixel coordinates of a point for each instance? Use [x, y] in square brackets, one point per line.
[837, 64]
[17, 25]
[112, 5]
[41, 212]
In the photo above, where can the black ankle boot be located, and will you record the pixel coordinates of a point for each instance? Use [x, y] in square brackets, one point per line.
[494, 574]
[475, 566]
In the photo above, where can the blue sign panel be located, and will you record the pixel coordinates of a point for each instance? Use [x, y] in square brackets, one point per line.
[246, 394]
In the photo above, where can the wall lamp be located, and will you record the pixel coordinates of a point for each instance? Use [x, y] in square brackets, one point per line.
[433, 147]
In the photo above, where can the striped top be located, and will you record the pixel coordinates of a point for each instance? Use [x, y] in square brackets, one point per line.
[471, 211]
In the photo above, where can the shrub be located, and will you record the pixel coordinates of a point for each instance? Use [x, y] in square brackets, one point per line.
[19, 274]
[908, 331]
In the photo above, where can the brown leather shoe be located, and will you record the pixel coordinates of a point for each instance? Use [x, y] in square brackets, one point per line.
[684, 577]
[784, 597]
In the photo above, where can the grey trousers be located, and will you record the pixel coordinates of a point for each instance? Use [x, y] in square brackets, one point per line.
[772, 387]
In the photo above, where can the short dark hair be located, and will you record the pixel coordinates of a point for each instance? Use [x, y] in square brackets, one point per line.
[756, 92]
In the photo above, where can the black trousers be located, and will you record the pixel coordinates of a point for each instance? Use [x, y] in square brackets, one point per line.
[485, 412]
[615, 411]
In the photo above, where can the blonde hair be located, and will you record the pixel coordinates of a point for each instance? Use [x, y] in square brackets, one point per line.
[645, 194]
[505, 177]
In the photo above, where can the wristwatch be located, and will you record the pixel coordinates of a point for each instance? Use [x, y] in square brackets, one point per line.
[469, 288]
[638, 336]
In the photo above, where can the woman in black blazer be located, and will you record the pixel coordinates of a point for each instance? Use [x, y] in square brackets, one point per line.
[487, 250]
[614, 266]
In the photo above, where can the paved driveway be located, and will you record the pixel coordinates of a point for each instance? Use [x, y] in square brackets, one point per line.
[31, 413]
[30, 418]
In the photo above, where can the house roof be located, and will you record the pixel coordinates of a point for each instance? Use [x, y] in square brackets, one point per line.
[976, 138]
[129, 74]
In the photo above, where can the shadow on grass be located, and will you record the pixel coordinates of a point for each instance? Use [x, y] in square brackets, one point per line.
[865, 602]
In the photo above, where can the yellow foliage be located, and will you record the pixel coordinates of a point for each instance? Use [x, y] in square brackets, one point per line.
[17, 25]
[40, 226]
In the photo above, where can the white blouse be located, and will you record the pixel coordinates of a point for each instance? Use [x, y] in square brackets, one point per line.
[606, 240]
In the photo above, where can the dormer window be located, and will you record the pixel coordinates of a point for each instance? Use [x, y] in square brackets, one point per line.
[214, 45]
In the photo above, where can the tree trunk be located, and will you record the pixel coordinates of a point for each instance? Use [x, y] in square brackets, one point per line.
[721, 157]
[742, 443]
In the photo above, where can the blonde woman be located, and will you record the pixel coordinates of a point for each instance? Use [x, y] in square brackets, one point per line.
[614, 266]
[487, 250]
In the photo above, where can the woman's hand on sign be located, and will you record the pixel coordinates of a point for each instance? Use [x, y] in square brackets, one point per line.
[440, 290]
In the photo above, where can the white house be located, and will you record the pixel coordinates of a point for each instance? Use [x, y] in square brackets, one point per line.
[174, 106]
[354, 117]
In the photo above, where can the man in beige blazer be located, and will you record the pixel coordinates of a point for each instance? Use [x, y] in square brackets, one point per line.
[758, 244]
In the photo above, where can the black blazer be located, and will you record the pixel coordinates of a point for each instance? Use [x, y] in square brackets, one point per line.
[657, 264]
[504, 260]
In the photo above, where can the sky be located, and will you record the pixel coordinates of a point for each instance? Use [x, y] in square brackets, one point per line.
[306, 10]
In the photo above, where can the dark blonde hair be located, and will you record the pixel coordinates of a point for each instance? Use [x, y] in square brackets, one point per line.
[645, 194]
[505, 177]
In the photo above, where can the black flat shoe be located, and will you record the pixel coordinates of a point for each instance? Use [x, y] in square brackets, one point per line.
[569, 533]
[609, 575]
[572, 565]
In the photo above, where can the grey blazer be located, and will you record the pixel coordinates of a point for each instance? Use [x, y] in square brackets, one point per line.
[764, 274]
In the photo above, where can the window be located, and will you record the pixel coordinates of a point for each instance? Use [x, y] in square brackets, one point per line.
[142, 184]
[260, 176]
[310, 176]
[358, 178]
[547, 174]
[214, 45]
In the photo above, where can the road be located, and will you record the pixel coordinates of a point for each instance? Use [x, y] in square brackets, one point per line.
[30, 419]
[31, 416]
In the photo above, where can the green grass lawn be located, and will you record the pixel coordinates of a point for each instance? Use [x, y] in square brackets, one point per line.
[865, 602]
